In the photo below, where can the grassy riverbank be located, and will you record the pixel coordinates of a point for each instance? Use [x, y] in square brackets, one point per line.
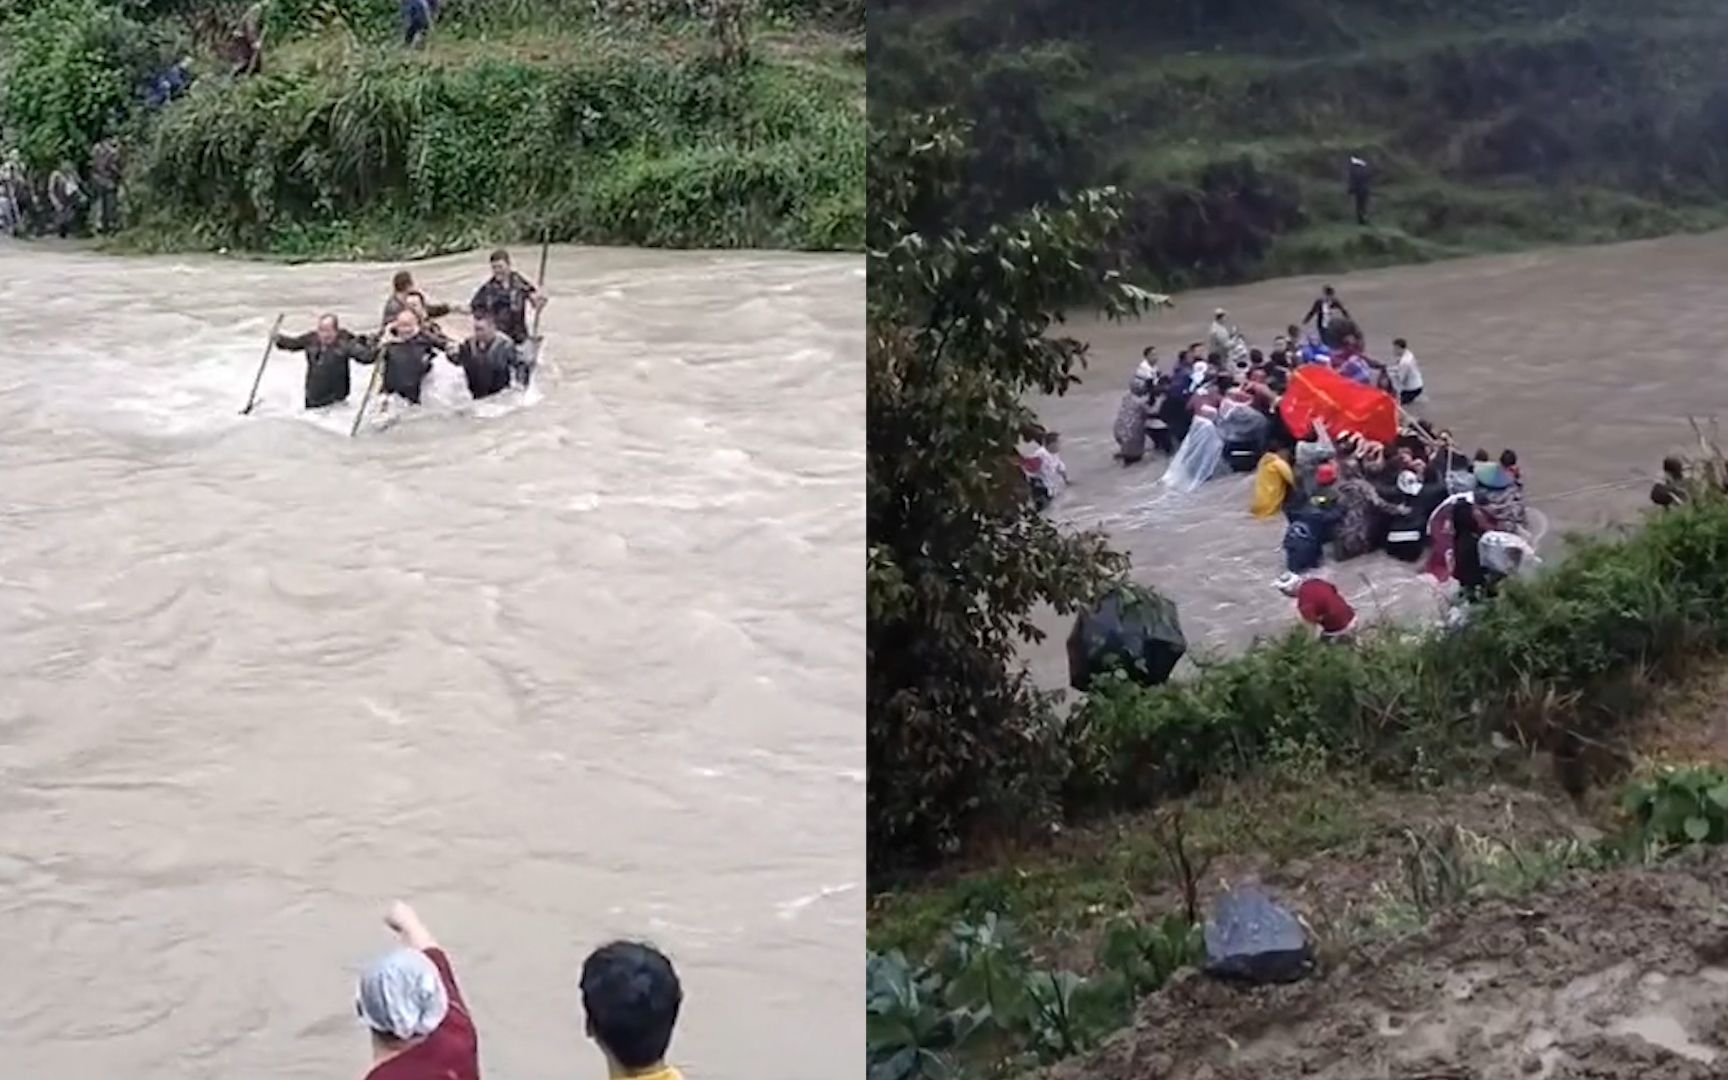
[1490, 127]
[1317, 768]
[516, 121]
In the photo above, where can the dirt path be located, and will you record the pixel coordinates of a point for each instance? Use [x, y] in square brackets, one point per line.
[1617, 975]
[1587, 361]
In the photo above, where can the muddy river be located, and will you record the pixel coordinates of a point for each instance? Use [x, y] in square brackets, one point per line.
[1587, 362]
[555, 670]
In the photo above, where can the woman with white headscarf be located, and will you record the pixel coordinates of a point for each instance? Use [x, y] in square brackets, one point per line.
[409, 1001]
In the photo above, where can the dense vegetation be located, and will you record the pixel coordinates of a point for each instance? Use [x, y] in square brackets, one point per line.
[1228, 125]
[620, 123]
[962, 325]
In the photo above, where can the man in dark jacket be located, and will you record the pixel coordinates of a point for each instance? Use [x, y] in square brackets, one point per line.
[1358, 185]
[488, 359]
[507, 296]
[105, 179]
[408, 349]
[329, 349]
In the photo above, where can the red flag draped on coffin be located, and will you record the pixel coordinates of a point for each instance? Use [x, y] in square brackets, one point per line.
[1318, 393]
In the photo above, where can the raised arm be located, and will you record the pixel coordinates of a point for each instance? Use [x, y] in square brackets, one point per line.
[402, 919]
[294, 342]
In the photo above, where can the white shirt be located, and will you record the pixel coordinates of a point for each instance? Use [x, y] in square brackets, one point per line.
[1051, 471]
[1406, 376]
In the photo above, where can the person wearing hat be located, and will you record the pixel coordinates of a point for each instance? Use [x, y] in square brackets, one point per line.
[1218, 338]
[1407, 533]
[409, 1001]
[1320, 605]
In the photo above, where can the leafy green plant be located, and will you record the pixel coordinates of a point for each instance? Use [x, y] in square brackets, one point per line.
[69, 70]
[1067, 1013]
[987, 972]
[1145, 955]
[909, 1035]
[962, 328]
[1677, 807]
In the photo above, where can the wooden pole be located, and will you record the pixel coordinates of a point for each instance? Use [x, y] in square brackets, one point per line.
[258, 380]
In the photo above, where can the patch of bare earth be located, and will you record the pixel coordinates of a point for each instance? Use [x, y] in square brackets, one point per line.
[1605, 976]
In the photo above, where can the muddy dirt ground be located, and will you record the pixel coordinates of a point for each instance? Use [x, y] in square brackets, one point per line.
[1586, 361]
[1606, 976]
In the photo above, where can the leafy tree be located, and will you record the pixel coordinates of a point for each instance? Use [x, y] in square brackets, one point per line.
[962, 327]
[70, 67]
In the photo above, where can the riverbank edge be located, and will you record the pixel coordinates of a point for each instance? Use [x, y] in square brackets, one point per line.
[762, 178]
[1567, 667]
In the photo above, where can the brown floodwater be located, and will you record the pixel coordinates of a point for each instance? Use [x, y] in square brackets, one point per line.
[557, 669]
[1586, 361]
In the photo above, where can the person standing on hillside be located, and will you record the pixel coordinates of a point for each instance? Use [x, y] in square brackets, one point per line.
[105, 178]
[65, 198]
[249, 41]
[1358, 185]
[416, 22]
[14, 193]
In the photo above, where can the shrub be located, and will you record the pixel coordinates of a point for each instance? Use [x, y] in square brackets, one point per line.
[69, 73]
[1558, 657]
[1677, 807]
[648, 151]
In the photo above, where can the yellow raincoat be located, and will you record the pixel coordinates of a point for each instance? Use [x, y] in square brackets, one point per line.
[1272, 483]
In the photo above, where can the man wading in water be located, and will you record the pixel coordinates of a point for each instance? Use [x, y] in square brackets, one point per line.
[328, 349]
[489, 360]
[408, 349]
[631, 996]
[421, 1029]
[506, 296]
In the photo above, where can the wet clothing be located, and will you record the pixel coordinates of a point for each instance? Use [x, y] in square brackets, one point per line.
[396, 306]
[407, 362]
[1407, 533]
[507, 302]
[1306, 535]
[1319, 602]
[1363, 514]
[1356, 370]
[1467, 530]
[1274, 485]
[327, 365]
[451, 1052]
[1503, 507]
[1130, 428]
[1327, 315]
[489, 367]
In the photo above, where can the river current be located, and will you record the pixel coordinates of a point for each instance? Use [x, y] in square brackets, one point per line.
[555, 670]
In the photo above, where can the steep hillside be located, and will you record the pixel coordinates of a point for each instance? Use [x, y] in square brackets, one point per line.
[1489, 126]
[692, 126]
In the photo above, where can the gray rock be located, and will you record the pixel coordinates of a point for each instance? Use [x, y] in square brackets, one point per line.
[1252, 938]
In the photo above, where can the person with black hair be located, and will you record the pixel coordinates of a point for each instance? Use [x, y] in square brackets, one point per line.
[631, 996]
[1672, 489]
[507, 295]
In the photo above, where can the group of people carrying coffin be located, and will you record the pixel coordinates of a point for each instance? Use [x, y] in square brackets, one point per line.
[497, 356]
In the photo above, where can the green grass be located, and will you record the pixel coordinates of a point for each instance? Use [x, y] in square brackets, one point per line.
[1083, 880]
